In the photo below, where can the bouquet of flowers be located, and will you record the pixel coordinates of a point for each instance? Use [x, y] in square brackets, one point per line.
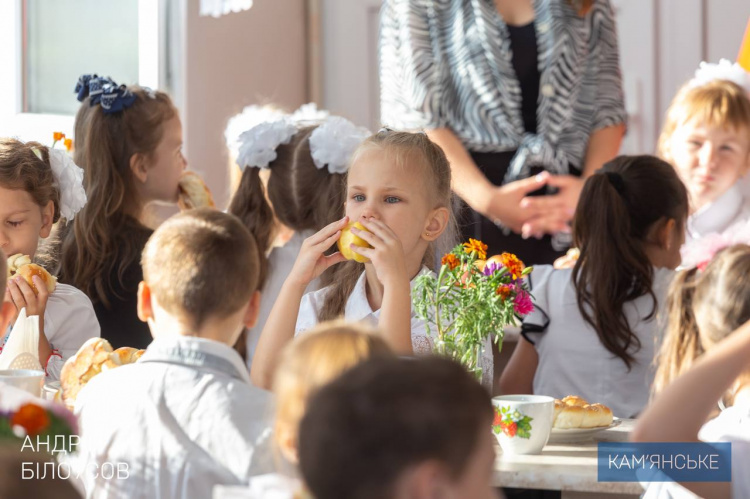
[39, 422]
[470, 299]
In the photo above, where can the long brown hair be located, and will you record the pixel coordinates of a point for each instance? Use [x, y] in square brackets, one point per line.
[98, 242]
[406, 149]
[618, 207]
[703, 308]
[302, 196]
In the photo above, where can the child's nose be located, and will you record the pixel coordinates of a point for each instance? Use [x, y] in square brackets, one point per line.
[368, 213]
[4, 240]
[707, 156]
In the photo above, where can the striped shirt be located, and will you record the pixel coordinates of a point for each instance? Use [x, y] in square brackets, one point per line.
[448, 64]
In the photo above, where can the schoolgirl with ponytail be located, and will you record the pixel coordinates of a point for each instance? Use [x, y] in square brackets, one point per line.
[594, 327]
[291, 187]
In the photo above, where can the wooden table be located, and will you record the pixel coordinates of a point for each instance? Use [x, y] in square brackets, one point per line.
[570, 468]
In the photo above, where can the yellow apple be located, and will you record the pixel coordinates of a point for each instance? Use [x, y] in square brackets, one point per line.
[347, 238]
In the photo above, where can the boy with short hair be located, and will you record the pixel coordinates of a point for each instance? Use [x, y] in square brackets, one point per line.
[185, 417]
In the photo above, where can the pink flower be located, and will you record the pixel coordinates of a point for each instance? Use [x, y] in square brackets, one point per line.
[522, 303]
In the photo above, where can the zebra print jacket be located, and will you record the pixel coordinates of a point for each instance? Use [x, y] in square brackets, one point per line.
[448, 63]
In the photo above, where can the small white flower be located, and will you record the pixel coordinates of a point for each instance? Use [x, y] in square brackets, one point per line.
[69, 177]
[333, 143]
[725, 70]
[258, 145]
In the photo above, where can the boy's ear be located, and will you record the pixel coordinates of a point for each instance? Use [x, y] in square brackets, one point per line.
[252, 311]
[145, 310]
[436, 224]
[7, 310]
[139, 167]
[48, 217]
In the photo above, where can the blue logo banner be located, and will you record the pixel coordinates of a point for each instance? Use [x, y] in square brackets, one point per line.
[665, 462]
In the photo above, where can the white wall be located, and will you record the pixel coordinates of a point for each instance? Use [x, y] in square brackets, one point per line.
[250, 57]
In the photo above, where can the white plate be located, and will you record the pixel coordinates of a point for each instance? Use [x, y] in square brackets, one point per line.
[573, 435]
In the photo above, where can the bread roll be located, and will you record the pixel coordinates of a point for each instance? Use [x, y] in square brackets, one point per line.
[574, 412]
[83, 366]
[570, 416]
[574, 400]
[194, 193]
[20, 265]
[93, 357]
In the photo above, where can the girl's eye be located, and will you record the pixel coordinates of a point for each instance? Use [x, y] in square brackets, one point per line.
[392, 199]
[358, 198]
[14, 224]
[694, 143]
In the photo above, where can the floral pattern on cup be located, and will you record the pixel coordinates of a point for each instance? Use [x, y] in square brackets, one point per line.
[512, 423]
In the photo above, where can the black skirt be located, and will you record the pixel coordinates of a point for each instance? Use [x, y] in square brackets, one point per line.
[531, 251]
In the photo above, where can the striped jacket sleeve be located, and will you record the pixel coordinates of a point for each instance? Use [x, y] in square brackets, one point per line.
[409, 85]
[610, 99]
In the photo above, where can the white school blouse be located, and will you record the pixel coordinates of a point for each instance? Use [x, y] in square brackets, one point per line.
[280, 263]
[358, 309]
[572, 360]
[69, 320]
[724, 214]
[732, 425]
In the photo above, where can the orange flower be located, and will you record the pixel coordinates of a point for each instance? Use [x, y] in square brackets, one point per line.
[504, 291]
[513, 264]
[450, 260]
[32, 418]
[58, 136]
[476, 246]
[68, 144]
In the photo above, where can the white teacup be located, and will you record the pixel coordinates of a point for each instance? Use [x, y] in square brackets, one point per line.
[28, 380]
[522, 423]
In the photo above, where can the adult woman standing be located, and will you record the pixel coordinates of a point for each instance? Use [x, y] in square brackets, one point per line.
[509, 89]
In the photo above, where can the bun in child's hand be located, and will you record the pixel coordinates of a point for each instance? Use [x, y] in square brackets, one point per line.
[194, 193]
[347, 238]
[20, 265]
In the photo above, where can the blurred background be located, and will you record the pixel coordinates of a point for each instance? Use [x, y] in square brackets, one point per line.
[217, 56]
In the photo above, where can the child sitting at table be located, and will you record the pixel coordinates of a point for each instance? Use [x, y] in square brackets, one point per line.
[593, 327]
[399, 427]
[679, 414]
[307, 364]
[39, 186]
[706, 137]
[185, 417]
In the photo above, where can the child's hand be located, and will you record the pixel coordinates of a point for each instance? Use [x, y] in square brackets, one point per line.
[22, 296]
[386, 254]
[311, 261]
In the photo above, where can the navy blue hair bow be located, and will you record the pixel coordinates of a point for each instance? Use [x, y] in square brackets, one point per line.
[103, 90]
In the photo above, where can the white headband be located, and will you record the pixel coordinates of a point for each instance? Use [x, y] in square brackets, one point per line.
[69, 179]
[725, 70]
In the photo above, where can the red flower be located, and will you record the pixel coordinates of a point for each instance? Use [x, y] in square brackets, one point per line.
[511, 430]
[32, 418]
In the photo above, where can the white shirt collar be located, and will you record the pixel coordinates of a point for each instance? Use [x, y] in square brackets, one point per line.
[357, 306]
[717, 216]
[196, 352]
